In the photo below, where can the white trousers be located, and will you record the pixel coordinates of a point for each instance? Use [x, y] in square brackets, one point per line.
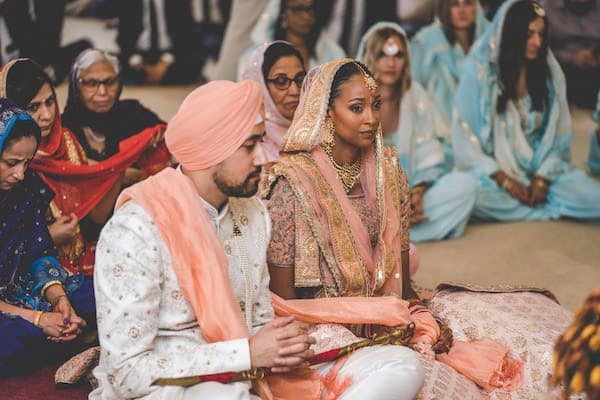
[377, 373]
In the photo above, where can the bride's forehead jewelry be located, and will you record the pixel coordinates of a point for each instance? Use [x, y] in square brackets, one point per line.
[538, 10]
[369, 81]
[390, 47]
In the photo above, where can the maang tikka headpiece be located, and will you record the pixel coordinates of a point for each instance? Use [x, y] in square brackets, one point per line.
[369, 80]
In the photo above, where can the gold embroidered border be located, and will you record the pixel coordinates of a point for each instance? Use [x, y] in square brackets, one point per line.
[341, 255]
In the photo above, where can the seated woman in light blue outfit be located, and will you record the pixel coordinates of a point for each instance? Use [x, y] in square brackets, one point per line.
[299, 22]
[438, 51]
[594, 155]
[442, 200]
[512, 128]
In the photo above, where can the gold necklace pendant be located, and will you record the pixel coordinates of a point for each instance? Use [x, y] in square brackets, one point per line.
[348, 174]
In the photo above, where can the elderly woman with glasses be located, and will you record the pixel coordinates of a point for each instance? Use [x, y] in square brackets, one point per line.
[100, 119]
[279, 68]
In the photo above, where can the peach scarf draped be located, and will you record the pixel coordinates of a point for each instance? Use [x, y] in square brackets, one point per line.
[484, 361]
[201, 268]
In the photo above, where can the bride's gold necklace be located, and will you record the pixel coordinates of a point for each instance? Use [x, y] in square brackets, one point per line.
[348, 174]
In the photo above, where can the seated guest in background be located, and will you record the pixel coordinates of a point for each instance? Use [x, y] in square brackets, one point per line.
[157, 42]
[594, 153]
[34, 29]
[189, 296]
[42, 310]
[438, 52]
[575, 41]
[512, 126]
[83, 191]
[279, 69]
[441, 199]
[101, 120]
[299, 22]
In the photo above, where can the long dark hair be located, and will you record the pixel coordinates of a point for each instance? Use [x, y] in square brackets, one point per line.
[276, 51]
[443, 13]
[343, 75]
[321, 10]
[511, 59]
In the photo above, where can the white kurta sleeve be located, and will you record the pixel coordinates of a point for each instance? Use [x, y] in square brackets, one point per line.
[129, 283]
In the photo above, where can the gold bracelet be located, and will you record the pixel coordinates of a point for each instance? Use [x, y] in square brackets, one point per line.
[47, 285]
[38, 317]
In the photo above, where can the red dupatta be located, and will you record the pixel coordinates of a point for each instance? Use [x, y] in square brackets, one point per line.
[62, 164]
[79, 185]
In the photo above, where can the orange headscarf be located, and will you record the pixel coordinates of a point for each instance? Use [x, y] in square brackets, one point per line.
[212, 122]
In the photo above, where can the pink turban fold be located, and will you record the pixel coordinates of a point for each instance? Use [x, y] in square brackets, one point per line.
[212, 122]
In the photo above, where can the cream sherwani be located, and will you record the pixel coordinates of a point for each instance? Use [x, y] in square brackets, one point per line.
[147, 329]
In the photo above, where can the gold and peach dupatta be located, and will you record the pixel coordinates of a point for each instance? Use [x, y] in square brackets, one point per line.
[357, 267]
[359, 270]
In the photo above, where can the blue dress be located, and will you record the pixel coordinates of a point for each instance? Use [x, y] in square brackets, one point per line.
[521, 142]
[450, 198]
[27, 264]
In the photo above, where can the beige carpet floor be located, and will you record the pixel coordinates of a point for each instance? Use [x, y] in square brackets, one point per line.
[562, 256]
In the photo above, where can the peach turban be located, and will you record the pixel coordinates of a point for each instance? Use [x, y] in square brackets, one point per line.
[212, 122]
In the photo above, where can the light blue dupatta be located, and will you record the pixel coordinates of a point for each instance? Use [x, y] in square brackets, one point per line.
[437, 66]
[485, 141]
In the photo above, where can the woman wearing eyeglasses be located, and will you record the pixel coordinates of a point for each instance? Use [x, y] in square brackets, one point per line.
[441, 199]
[85, 192]
[100, 120]
[279, 68]
[300, 23]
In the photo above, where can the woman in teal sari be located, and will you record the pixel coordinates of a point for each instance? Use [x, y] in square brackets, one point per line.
[439, 51]
[512, 128]
[441, 199]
